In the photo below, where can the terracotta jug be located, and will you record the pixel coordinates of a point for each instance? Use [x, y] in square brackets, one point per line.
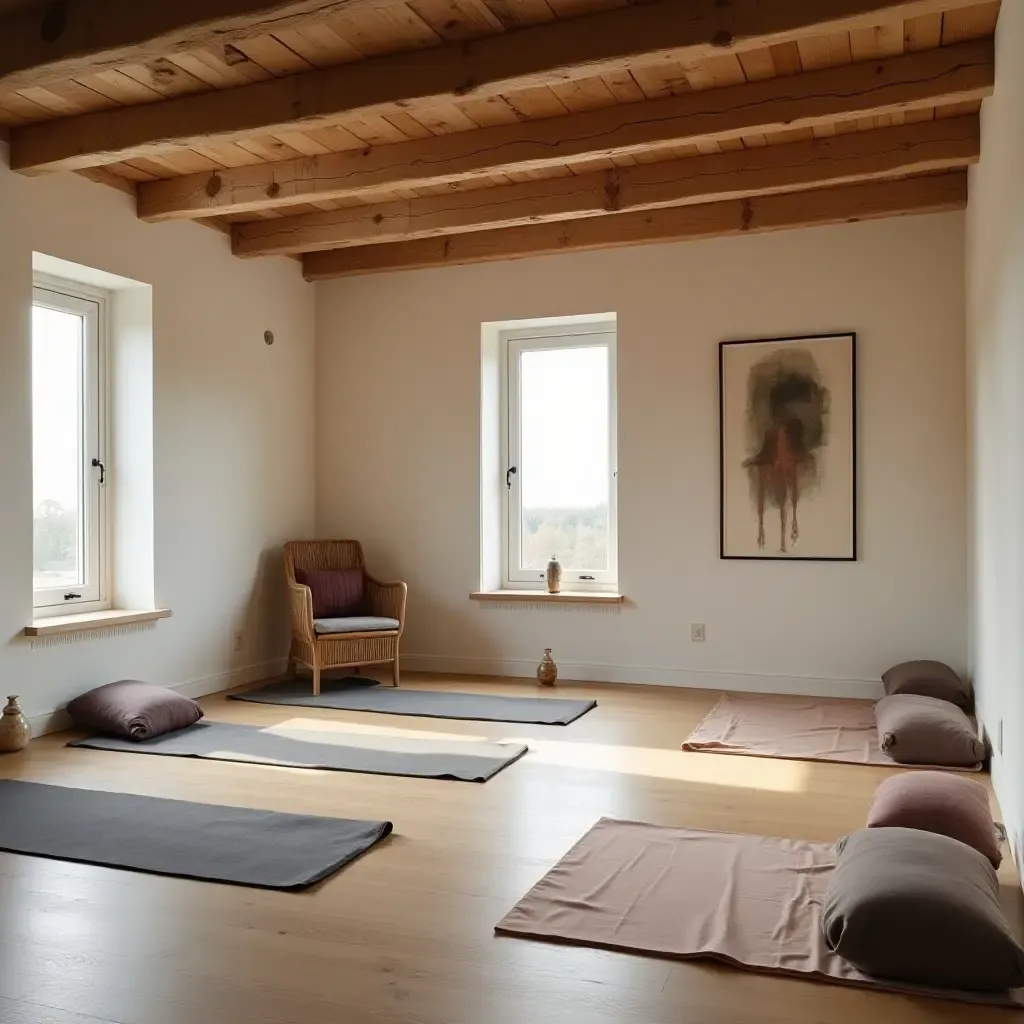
[547, 670]
[15, 732]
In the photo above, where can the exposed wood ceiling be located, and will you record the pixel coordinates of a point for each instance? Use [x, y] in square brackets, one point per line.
[377, 134]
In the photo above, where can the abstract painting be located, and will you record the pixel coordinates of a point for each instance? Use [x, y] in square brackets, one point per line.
[789, 448]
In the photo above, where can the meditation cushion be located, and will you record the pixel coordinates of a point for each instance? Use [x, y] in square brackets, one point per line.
[337, 593]
[949, 805]
[928, 679]
[923, 730]
[133, 710]
[919, 907]
[355, 624]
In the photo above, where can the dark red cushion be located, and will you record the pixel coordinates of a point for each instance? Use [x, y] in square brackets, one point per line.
[337, 593]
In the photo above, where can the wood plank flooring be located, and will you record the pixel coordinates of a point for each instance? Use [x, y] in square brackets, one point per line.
[405, 935]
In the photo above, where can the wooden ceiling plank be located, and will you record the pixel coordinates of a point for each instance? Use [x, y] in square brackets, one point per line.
[930, 194]
[845, 159]
[879, 41]
[542, 55]
[716, 73]
[923, 33]
[757, 64]
[666, 78]
[385, 30]
[975, 22]
[272, 55]
[57, 43]
[517, 13]
[786, 57]
[455, 20]
[817, 52]
[319, 45]
[916, 81]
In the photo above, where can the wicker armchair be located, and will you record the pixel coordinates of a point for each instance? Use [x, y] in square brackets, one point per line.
[321, 650]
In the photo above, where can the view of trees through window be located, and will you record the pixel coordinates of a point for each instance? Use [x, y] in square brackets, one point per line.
[564, 424]
[57, 348]
[578, 537]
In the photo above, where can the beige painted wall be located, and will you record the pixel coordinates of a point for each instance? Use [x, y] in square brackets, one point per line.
[995, 271]
[233, 441]
[398, 381]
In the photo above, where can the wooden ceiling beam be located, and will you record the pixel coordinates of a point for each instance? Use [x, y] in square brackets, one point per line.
[61, 41]
[951, 74]
[837, 160]
[605, 42]
[933, 194]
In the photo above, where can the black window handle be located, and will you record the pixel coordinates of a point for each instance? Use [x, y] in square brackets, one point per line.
[508, 477]
[98, 463]
[71, 597]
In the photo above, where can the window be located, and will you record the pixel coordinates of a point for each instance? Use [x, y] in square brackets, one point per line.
[558, 398]
[68, 449]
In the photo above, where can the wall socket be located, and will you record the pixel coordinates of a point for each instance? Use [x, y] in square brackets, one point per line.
[697, 634]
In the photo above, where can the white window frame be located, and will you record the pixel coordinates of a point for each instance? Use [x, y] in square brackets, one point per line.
[512, 343]
[93, 305]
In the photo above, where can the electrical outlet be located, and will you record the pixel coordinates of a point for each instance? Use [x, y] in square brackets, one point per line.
[697, 634]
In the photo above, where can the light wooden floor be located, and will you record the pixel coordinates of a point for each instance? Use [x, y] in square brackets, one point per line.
[405, 934]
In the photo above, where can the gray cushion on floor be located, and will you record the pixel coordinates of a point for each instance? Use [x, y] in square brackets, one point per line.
[133, 709]
[928, 679]
[355, 624]
[923, 730]
[919, 907]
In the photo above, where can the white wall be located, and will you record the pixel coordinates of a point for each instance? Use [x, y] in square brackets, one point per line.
[398, 382]
[233, 441]
[995, 270]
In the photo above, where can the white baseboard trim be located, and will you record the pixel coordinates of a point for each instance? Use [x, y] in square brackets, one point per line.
[58, 720]
[752, 682]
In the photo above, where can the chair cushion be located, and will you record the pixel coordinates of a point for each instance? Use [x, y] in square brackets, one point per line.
[922, 730]
[928, 679]
[937, 802]
[336, 592]
[919, 907]
[355, 624]
[133, 710]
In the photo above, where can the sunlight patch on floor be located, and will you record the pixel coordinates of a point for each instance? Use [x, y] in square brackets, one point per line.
[712, 769]
[300, 728]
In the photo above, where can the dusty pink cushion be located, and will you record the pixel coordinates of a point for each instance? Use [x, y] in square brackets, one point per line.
[949, 805]
[133, 710]
[337, 593]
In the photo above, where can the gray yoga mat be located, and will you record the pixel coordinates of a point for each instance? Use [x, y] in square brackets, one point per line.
[175, 837]
[331, 749]
[365, 695]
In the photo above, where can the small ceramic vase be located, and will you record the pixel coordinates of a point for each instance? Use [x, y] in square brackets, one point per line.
[15, 732]
[547, 670]
[554, 575]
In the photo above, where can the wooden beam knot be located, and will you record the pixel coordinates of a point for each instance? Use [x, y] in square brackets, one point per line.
[746, 214]
[612, 192]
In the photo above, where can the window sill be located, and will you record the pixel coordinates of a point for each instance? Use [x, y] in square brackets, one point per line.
[84, 621]
[543, 597]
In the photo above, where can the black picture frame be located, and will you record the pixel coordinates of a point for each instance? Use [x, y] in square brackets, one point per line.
[854, 554]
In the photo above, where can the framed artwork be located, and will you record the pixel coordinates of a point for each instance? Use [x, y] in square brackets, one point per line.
[788, 433]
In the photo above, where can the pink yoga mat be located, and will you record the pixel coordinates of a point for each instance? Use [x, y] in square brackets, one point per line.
[795, 728]
[751, 901]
